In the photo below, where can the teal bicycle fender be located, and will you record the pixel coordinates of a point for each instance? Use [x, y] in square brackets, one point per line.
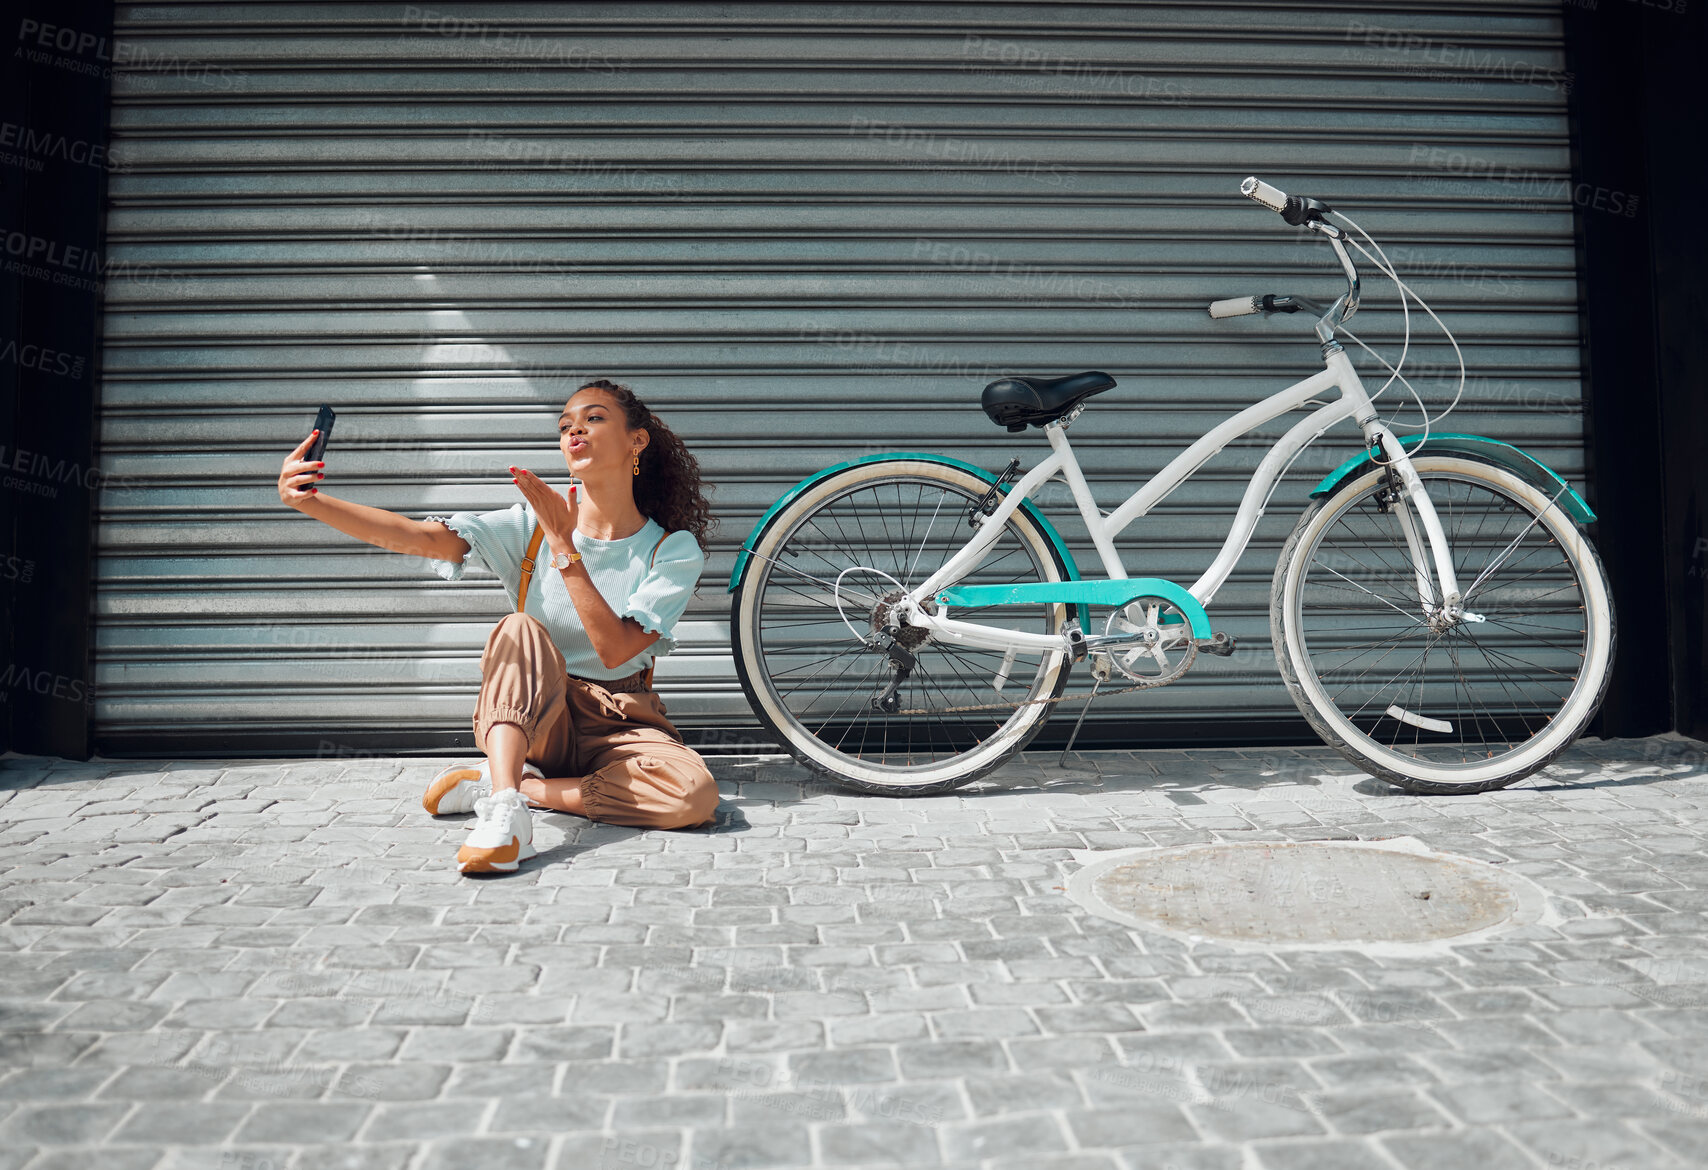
[1082, 594]
[1522, 464]
[743, 557]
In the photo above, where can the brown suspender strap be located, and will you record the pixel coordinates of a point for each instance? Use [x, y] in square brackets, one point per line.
[646, 680]
[528, 567]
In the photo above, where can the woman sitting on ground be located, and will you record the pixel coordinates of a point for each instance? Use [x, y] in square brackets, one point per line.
[566, 713]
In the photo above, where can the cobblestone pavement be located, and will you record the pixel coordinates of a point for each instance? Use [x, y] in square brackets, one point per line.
[261, 964]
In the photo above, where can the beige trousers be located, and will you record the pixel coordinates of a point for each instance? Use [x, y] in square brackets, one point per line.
[634, 768]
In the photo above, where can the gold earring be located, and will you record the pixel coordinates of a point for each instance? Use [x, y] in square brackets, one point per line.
[636, 470]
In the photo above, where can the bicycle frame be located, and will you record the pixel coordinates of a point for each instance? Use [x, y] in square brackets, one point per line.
[1429, 545]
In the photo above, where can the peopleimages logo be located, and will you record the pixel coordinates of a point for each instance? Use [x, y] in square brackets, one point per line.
[45, 682]
[50, 260]
[47, 144]
[506, 46]
[1446, 58]
[38, 357]
[38, 474]
[87, 53]
[966, 154]
[66, 40]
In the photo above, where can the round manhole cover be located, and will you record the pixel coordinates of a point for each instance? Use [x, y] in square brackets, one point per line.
[1308, 894]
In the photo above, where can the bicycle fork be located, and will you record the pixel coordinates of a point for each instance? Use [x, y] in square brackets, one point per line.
[1419, 523]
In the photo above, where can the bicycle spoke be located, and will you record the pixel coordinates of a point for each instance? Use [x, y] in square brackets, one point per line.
[1377, 596]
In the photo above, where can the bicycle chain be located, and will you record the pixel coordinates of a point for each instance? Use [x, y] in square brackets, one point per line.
[1095, 694]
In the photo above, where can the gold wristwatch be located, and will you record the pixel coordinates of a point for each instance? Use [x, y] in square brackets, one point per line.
[563, 560]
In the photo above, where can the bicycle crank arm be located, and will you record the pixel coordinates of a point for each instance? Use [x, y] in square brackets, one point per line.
[1220, 643]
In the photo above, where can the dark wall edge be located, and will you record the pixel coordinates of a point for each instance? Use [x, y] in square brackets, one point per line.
[1632, 81]
[57, 101]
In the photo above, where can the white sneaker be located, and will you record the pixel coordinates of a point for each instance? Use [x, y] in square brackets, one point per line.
[456, 789]
[502, 837]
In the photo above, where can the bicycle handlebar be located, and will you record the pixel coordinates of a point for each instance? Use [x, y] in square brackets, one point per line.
[1300, 211]
[1266, 304]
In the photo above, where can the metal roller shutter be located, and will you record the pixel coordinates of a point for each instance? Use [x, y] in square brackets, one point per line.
[803, 232]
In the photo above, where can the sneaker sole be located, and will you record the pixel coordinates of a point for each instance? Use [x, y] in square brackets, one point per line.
[443, 783]
[482, 860]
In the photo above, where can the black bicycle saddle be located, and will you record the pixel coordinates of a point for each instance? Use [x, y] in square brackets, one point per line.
[1019, 402]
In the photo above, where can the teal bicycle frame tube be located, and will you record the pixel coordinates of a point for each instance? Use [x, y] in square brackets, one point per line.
[1112, 593]
[742, 559]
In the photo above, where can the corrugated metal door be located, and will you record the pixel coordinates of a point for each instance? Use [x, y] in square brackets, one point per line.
[803, 232]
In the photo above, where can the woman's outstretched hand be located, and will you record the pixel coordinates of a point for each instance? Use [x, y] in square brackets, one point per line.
[557, 513]
[298, 475]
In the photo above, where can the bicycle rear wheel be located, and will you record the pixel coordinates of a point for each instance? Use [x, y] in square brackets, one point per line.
[1428, 707]
[805, 625]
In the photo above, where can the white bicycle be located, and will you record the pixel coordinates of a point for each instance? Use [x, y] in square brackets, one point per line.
[1437, 614]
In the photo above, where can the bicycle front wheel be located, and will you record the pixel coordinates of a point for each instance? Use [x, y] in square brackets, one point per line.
[1427, 705]
[807, 627]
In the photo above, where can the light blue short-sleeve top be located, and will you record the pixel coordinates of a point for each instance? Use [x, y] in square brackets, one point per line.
[655, 595]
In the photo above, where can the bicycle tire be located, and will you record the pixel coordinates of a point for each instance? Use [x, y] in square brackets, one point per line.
[902, 518]
[1503, 696]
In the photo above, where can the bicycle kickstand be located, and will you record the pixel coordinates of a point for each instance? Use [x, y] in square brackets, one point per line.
[1099, 677]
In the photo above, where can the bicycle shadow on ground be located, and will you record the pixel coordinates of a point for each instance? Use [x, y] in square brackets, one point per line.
[1185, 777]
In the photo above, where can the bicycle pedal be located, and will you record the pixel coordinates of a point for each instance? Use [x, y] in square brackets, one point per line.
[1076, 640]
[1219, 644]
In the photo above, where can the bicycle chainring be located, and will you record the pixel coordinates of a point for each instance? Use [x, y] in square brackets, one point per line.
[1157, 651]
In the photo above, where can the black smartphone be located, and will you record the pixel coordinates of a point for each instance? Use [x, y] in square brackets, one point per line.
[322, 423]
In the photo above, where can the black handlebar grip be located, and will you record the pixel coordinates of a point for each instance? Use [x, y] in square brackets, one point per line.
[1301, 209]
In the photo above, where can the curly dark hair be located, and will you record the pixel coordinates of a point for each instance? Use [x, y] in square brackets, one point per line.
[668, 488]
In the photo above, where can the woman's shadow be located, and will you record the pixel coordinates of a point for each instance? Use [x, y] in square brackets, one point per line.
[567, 837]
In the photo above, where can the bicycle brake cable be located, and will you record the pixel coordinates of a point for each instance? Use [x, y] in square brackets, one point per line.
[1381, 263]
[1384, 266]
